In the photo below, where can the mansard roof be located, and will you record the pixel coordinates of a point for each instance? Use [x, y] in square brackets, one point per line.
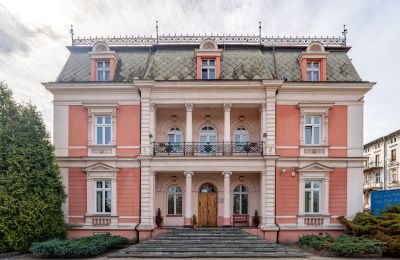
[241, 59]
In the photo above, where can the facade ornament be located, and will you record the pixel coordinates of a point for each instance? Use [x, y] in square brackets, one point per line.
[227, 107]
[189, 107]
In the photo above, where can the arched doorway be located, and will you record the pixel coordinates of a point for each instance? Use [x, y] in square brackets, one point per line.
[207, 205]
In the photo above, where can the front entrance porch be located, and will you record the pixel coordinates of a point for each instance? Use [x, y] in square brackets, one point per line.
[214, 197]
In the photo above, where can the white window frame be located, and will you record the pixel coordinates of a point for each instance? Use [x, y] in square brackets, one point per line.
[103, 190]
[175, 131]
[103, 125]
[209, 67]
[103, 70]
[242, 132]
[312, 190]
[312, 70]
[313, 125]
[174, 193]
[241, 193]
[394, 174]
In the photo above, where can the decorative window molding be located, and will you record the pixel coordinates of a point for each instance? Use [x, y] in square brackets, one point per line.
[103, 62]
[317, 173]
[314, 56]
[101, 148]
[208, 60]
[100, 172]
[312, 110]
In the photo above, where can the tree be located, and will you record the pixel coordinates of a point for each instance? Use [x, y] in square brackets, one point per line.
[31, 191]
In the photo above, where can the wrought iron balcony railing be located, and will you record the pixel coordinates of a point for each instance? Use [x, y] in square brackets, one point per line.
[207, 149]
[370, 165]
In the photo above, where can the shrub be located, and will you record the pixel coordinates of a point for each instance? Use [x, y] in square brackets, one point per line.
[159, 218]
[344, 245]
[31, 192]
[256, 219]
[79, 247]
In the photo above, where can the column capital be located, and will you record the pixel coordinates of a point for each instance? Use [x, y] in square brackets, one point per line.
[188, 173]
[227, 107]
[189, 107]
[263, 107]
[153, 107]
[224, 173]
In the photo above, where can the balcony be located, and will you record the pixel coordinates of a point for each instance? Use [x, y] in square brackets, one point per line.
[373, 185]
[207, 149]
[372, 166]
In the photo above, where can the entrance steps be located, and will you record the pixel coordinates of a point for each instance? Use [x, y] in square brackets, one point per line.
[208, 242]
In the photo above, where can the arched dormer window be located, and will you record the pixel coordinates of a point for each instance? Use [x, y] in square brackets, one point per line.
[208, 60]
[240, 200]
[313, 62]
[103, 62]
[174, 200]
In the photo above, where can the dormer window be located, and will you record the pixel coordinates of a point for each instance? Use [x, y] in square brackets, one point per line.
[103, 70]
[313, 70]
[208, 69]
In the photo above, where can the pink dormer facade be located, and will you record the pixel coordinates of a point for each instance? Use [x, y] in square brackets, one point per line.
[212, 129]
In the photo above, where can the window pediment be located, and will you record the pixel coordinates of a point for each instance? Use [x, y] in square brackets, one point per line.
[315, 167]
[100, 167]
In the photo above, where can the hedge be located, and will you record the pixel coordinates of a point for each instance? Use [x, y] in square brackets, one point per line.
[79, 247]
[344, 245]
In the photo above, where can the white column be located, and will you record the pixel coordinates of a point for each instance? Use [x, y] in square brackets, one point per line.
[227, 198]
[227, 123]
[147, 199]
[263, 120]
[188, 198]
[268, 200]
[189, 131]
[153, 110]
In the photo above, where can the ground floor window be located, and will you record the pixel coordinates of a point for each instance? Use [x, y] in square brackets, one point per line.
[174, 200]
[103, 196]
[240, 200]
[312, 196]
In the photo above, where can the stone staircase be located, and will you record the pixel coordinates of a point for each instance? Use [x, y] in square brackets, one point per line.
[208, 242]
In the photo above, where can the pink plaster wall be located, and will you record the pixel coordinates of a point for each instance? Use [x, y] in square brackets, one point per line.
[337, 133]
[76, 194]
[292, 236]
[128, 130]
[251, 122]
[337, 193]
[287, 130]
[77, 130]
[75, 233]
[287, 195]
[128, 197]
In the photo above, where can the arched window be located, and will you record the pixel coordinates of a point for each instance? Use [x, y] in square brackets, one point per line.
[208, 135]
[240, 200]
[207, 187]
[174, 195]
[174, 135]
[241, 135]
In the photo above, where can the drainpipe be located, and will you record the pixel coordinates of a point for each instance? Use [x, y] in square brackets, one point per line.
[140, 167]
[385, 181]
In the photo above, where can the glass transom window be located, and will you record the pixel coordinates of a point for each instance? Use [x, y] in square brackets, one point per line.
[312, 196]
[313, 71]
[312, 129]
[208, 69]
[103, 196]
[103, 70]
[103, 130]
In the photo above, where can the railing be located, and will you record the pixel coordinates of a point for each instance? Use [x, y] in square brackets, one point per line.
[207, 149]
[370, 165]
[101, 221]
[313, 221]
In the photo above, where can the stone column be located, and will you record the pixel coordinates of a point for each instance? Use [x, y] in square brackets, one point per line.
[227, 199]
[268, 200]
[188, 199]
[227, 123]
[189, 130]
[153, 111]
[263, 110]
[271, 88]
[146, 199]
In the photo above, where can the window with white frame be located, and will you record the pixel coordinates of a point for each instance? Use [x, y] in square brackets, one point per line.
[313, 71]
[393, 175]
[103, 70]
[103, 130]
[174, 135]
[312, 196]
[208, 69]
[240, 200]
[103, 196]
[377, 177]
[312, 130]
[174, 197]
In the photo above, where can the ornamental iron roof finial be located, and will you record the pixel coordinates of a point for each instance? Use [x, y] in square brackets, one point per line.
[71, 31]
[157, 32]
[344, 33]
[259, 30]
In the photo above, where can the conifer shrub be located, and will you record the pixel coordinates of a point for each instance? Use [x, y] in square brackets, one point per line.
[79, 247]
[31, 192]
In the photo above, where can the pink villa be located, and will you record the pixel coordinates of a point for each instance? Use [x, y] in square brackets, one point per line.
[218, 127]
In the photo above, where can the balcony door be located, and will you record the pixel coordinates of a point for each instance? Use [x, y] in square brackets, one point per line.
[208, 140]
[174, 140]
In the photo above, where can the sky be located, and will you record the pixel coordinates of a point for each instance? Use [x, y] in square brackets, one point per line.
[33, 36]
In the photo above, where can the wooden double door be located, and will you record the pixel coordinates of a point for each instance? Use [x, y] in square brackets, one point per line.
[207, 209]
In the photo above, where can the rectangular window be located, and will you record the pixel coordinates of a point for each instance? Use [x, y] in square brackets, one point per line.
[312, 196]
[377, 177]
[377, 160]
[393, 155]
[313, 71]
[208, 69]
[103, 70]
[312, 130]
[103, 196]
[103, 130]
[393, 175]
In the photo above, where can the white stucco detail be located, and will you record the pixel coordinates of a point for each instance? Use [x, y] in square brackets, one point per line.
[355, 130]
[60, 130]
[354, 190]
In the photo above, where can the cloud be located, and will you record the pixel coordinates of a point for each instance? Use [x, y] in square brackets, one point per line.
[15, 35]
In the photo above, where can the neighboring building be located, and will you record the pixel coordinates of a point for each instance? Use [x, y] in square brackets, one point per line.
[216, 126]
[381, 170]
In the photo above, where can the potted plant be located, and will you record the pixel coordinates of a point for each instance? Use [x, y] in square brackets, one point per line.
[168, 148]
[208, 148]
[194, 221]
[159, 218]
[256, 219]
